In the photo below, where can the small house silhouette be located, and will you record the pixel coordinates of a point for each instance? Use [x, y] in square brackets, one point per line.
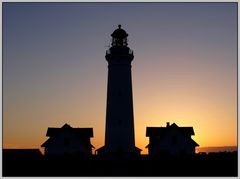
[172, 140]
[68, 140]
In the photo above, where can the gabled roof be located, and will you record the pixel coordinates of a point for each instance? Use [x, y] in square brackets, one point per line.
[78, 132]
[191, 140]
[86, 132]
[101, 148]
[138, 149]
[194, 143]
[159, 131]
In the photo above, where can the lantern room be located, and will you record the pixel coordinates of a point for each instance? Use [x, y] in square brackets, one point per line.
[119, 37]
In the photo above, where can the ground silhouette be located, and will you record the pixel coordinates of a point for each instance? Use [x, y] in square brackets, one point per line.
[212, 164]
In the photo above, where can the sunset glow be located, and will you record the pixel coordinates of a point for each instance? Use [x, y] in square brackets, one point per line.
[184, 69]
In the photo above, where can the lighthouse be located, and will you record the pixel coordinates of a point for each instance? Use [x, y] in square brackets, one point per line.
[119, 129]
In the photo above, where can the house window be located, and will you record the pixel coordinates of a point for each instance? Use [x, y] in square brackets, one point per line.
[66, 141]
[173, 140]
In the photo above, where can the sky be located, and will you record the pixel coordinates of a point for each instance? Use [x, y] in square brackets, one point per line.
[184, 69]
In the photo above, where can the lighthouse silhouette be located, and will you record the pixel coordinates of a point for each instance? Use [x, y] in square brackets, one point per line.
[119, 134]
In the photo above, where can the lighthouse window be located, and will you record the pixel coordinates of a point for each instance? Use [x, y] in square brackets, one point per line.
[119, 42]
[125, 42]
[113, 42]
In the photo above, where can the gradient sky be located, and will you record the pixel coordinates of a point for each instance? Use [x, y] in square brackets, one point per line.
[55, 72]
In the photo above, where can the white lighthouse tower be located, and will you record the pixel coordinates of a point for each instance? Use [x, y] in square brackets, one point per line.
[119, 135]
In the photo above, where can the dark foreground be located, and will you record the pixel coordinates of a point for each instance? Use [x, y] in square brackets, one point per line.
[213, 164]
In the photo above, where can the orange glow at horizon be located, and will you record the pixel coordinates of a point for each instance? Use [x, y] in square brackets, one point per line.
[203, 115]
[183, 104]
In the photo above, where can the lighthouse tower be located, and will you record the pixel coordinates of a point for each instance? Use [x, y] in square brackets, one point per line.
[119, 134]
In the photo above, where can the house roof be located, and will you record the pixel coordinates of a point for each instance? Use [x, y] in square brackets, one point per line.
[47, 142]
[78, 132]
[138, 149]
[101, 148]
[159, 131]
[190, 139]
[87, 132]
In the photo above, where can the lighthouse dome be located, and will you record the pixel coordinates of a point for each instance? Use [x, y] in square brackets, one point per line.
[119, 33]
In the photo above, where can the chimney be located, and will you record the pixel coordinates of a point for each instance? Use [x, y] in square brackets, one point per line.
[168, 124]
